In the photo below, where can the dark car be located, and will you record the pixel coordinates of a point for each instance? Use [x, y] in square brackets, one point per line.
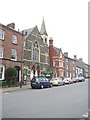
[40, 82]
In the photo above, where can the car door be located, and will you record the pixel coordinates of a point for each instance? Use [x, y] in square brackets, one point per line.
[47, 82]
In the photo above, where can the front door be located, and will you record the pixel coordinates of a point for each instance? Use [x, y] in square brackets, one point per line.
[18, 69]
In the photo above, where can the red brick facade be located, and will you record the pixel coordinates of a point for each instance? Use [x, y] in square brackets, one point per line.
[56, 60]
[8, 45]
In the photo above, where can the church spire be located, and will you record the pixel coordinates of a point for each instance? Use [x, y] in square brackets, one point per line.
[43, 28]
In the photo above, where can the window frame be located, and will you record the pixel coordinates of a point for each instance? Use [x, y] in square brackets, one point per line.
[2, 34]
[12, 55]
[1, 66]
[14, 39]
[2, 51]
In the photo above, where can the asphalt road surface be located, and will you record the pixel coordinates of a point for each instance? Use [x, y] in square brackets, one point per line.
[68, 101]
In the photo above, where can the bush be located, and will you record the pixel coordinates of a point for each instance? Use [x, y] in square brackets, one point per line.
[4, 83]
[11, 74]
[17, 84]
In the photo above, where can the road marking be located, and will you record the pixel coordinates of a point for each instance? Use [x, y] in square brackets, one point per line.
[85, 115]
[7, 93]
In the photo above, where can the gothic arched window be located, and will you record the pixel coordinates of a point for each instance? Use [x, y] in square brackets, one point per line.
[35, 52]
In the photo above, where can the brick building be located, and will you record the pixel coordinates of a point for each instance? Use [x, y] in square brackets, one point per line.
[70, 66]
[36, 52]
[82, 69]
[11, 45]
[56, 60]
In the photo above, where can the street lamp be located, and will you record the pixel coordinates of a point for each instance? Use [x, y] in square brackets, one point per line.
[21, 57]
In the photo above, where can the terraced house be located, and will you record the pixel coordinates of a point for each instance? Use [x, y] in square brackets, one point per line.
[36, 52]
[11, 49]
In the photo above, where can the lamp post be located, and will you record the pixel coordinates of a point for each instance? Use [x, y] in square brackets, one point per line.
[21, 57]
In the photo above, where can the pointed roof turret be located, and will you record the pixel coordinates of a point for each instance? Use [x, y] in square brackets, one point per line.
[43, 28]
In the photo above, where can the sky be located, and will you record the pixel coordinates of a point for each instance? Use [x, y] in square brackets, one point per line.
[66, 21]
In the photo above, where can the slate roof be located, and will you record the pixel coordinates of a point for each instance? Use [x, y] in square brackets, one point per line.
[57, 50]
[10, 28]
[43, 28]
[26, 32]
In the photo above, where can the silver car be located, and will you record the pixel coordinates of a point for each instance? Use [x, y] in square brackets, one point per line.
[57, 81]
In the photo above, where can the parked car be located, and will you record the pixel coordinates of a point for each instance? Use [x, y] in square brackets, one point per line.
[81, 79]
[40, 82]
[57, 81]
[75, 80]
[70, 80]
[66, 81]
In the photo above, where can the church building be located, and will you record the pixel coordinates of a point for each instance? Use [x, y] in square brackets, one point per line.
[36, 52]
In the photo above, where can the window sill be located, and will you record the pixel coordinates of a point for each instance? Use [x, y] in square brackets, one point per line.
[2, 39]
[14, 59]
[14, 43]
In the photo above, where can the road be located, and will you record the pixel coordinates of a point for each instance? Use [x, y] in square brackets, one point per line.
[68, 101]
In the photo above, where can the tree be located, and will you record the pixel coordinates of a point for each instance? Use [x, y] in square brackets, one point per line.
[11, 74]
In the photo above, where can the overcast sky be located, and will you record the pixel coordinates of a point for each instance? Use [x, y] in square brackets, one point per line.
[66, 21]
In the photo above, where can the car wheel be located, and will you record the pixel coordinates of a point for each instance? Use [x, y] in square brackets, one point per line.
[33, 87]
[50, 85]
[41, 86]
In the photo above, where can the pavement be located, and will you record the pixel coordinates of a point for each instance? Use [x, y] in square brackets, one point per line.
[3, 90]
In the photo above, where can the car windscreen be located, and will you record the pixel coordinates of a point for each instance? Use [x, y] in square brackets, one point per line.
[53, 79]
[34, 79]
[65, 78]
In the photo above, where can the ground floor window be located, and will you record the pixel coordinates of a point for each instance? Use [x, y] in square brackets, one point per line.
[1, 72]
[61, 73]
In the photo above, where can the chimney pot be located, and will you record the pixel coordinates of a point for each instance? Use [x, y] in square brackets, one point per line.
[66, 54]
[11, 25]
[50, 41]
[75, 57]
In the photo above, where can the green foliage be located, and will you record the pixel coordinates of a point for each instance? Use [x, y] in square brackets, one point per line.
[4, 83]
[17, 84]
[11, 74]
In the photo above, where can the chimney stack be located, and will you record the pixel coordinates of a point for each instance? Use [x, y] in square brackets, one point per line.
[75, 57]
[50, 41]
[66, 54]
[81, 59]
[11, 25]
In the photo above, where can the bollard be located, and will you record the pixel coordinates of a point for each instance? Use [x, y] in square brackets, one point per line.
[20, 84]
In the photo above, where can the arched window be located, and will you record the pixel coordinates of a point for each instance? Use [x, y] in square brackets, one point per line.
[35, 52]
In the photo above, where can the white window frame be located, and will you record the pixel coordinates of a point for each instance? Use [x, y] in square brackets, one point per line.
[60, 55]
[14, 39]
[2, 51]
[54, 63]
[67, 66]
[2, 33]
[73, 67]
[67, 74]
[3, 72]
[15, 55]
[61, 73]
[67, 60]
[60, 63]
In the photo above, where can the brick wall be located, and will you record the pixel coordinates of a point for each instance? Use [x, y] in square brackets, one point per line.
[8, 46]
